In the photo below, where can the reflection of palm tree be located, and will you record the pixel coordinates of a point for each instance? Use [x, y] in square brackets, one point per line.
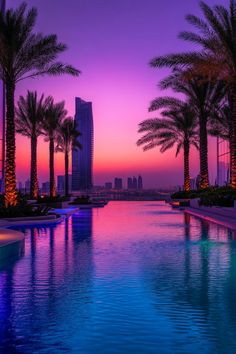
[187, 219]
[205, 256]
[23, 54]
[7, 330]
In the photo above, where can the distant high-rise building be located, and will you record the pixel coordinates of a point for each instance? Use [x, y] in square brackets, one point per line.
[20, 187]
[140, 182]
[118, 183]
[45, 187]
[27, 186]
[192, 183]
[135, 183]
[224, 168]
[82, 159]
[130, 183]
[108, 185]
[61, 184]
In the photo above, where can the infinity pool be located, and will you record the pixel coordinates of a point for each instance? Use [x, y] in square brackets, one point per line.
[134, 277]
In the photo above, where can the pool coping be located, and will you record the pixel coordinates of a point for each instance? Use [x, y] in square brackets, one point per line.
[226, 221]
[11, 243]
[38, 220]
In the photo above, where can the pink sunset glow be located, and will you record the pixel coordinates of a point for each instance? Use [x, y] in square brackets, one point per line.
[112, 43]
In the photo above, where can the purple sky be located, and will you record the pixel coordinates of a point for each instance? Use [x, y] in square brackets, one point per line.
[112, 43]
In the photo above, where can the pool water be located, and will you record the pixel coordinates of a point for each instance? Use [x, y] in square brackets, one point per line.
[133, 277]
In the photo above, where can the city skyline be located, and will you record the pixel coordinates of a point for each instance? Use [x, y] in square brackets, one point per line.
[120, 86]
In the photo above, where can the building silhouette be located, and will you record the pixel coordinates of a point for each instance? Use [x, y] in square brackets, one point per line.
[135, 183]
[27, 186]
[118, 183]
[82, 159]
[61, 184]
[20, 187]
[108, 185]
[45, 187]
[140, 183]
[129, 183]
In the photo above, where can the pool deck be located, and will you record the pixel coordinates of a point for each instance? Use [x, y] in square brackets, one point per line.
[219, 216]
[11, 243]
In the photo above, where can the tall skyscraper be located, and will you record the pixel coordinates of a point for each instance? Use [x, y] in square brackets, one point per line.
[82, 159]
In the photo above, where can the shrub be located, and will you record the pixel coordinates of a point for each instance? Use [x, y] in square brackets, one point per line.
[213, 196]
[23, 210]
[223, 197]
[48, 200]
[185, 195]
[83, 199]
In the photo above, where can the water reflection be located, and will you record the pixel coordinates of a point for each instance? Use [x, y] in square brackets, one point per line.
[201, 288]
[129, 278]
[57, 267]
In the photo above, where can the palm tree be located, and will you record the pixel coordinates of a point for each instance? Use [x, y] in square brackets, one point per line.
[54, 116]
[23, 54]
[67, 139]
[177, 126]
[221, 127]
[205, 98]
[216, 59]
[29, 116]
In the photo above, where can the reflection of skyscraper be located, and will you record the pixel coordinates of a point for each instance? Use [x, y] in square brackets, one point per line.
[82, 159]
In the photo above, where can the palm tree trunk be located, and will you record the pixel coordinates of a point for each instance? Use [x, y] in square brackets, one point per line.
[51, 168]
[33, 169]
[230, 161]
[232, 103]
[10, 173]
[66, 173]
[204, 182]
[186, 167]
